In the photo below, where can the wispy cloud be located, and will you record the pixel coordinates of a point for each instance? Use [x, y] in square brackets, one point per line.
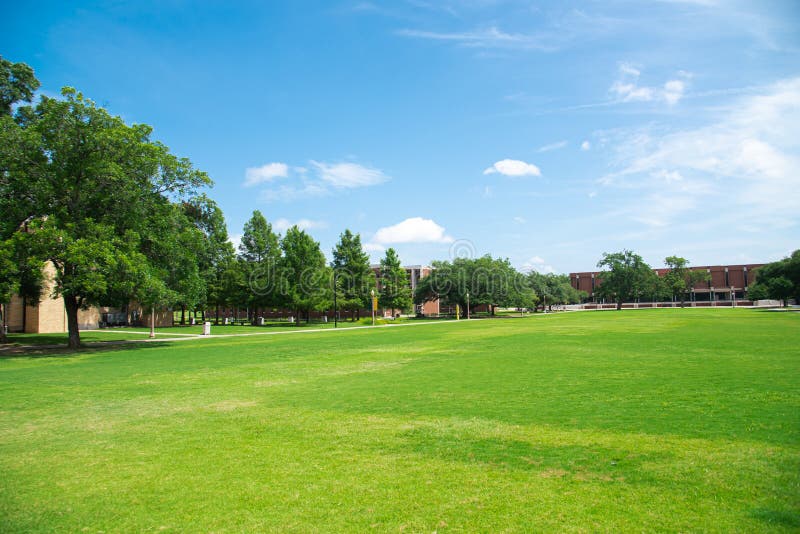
[513, 167]
[491, 37]
[348, 175]
[538, 264]
[282, 224]
[552, 146]
[627, 88]
[586, 145]
[319, 179]
[743, 165]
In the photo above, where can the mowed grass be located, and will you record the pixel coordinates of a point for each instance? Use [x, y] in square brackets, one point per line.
[667, 420]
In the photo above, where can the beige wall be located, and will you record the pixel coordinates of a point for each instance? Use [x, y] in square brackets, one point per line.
[49, 316]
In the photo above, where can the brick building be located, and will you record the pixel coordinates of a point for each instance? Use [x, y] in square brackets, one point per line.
[726, 284]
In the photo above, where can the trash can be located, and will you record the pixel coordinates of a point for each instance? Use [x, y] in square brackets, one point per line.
[260, 321]
[207, 328]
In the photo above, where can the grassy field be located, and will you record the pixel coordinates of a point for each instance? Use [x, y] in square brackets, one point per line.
[668, 420]
[127, 333]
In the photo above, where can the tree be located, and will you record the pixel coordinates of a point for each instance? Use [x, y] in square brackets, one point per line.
[216, 259]
[305, 277]
[779, 280]
[395, 291]
[553, 289]
[625, 277]
[92, 193]
[17, 84]
[680, 279]
[261, 251]
[488, 281]
[354, 276]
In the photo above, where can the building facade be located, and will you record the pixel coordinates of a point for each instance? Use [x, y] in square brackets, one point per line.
[727, 283]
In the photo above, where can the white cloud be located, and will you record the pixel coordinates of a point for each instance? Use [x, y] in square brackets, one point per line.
[348, 175]
[673, 91]
[520, 220]
[586, 145]
[627, 88]
[265, 173]
[412, 230]
[513, 167]
[282, 224]
[552, 146]
[235, 240]
[538, 264]
[374, 247]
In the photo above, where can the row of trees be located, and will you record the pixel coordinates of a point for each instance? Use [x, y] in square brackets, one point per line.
[290, 272]
[626, 277]
[493, 283]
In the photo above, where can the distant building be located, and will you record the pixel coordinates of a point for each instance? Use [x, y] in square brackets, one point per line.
[415, 274]
[726, 283]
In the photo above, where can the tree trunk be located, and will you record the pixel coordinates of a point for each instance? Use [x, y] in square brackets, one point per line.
[216, 316]
[71, 306]
[152, 322]
[619, 304]
[183, 314]
[3, 337]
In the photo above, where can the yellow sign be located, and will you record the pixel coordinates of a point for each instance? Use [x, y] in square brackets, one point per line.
[374, 303]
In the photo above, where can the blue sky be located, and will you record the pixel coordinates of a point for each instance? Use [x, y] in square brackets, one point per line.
[545, 132]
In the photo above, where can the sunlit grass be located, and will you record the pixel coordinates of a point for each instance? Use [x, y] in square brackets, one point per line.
[678, 420]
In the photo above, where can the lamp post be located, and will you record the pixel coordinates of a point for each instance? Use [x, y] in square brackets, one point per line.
[733, 296]
[467, 305]
[335, 310]
[372, 293]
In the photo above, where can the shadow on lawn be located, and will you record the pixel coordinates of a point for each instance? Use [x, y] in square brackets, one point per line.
[8, 351]
[550, 461]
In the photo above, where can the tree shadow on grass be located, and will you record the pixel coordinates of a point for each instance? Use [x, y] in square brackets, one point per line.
[550, 461]
[8, 352]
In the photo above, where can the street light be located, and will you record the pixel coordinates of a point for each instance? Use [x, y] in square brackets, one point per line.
[372, 292]
[335, 310]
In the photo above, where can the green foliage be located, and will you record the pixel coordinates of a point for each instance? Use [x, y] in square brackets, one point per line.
[779, 280]
[17, 84]
[625, 277]
[395, 288]
[553, 289]
[260, 251]
[680, 279]
[354, 277]
[92, 191]
[488, 281]
[304, 276]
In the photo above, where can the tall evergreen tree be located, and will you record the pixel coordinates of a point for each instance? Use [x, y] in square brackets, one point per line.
[352, 272]
[395, 290]
[261, 251]
[305, 277]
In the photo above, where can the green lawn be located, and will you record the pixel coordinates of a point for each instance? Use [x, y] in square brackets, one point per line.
[670, 420]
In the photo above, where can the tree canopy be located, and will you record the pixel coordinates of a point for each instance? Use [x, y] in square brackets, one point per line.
[95, 198]
[395, 290]
[354, 277]
[779, 280]
[625, 277]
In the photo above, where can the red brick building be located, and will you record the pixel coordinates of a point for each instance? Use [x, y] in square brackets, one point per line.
[726, 284]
